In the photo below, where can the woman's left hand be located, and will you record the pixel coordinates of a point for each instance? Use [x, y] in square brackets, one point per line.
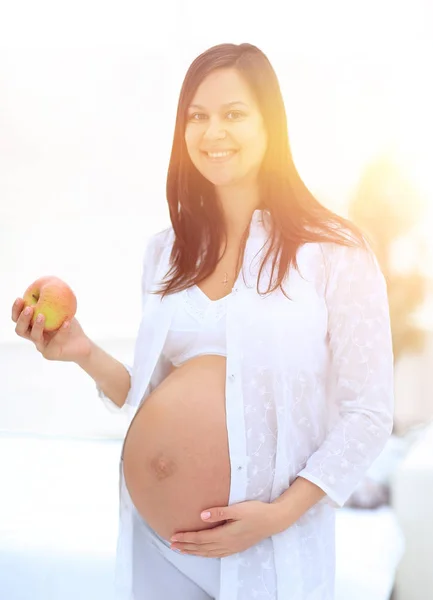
[247, 524]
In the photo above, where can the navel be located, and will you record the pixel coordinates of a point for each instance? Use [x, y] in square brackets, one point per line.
[163, 467]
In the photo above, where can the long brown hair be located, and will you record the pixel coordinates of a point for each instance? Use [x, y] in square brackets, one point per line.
[196, 216]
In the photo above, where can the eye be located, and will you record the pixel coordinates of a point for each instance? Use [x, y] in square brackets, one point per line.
[237, 113]
[194, 115]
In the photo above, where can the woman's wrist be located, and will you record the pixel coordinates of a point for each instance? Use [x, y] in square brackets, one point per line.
[299, 497]
[111, 376]
[86, 357]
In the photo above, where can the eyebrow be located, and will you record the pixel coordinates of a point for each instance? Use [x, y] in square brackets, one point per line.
[225, 105]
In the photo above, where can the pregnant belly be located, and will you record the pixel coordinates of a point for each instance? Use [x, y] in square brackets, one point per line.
[175, 457]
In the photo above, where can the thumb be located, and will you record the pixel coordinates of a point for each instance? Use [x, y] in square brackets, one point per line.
[64, 328]
[60, 333]
[220, 513]
[45, 343]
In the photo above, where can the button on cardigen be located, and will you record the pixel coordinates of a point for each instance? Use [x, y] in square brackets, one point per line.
[232, 376]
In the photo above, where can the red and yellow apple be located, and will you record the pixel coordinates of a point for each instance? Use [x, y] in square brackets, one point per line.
[53, 298]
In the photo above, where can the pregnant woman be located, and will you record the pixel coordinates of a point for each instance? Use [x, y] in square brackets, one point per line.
[262, 384]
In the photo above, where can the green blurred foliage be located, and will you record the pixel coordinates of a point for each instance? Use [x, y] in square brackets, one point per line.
[386, 206]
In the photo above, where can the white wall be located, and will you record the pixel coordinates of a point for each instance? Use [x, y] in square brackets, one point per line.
[55, 398]
[83, 177]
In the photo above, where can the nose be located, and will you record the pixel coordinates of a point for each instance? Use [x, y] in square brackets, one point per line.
[214, 131]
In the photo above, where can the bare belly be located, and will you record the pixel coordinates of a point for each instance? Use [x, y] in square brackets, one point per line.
[175, 457]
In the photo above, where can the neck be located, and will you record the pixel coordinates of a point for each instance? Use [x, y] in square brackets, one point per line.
[238, 204]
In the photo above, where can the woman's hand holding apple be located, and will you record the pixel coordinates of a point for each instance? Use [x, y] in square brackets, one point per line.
[68, 343]
[56, 334]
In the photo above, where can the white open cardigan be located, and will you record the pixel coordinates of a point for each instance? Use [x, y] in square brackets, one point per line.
[309, 393]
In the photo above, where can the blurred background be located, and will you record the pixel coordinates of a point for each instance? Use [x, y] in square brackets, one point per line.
[88, 96]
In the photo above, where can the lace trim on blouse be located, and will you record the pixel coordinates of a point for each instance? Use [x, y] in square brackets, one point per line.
[203, 308]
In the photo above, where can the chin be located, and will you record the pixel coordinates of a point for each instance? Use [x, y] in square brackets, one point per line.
[221, 181]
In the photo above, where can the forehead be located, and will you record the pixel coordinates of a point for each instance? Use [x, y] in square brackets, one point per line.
[222, 87]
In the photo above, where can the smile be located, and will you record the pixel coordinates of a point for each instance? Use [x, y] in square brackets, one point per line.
[220, 156]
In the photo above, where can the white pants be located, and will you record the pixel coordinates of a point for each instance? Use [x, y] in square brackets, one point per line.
[161, 573]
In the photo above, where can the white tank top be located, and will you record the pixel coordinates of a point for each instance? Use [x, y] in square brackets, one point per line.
[198, 327]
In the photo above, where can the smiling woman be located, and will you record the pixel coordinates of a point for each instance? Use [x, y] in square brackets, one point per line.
[222, 135]
[246, 401]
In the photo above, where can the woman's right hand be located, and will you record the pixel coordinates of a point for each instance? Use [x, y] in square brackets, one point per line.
[68, 343]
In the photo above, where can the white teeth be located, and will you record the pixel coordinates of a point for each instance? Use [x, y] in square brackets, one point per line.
[219, 154]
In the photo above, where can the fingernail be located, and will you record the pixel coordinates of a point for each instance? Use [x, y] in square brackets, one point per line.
[27, 310]
[40, 318]
[205, 514]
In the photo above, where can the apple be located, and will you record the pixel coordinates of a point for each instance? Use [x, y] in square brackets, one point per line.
[53, 298]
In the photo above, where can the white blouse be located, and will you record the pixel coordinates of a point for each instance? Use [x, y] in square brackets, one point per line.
[309, 393]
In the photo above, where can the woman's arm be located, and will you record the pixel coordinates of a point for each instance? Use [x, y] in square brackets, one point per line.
[362, 359]
[112, 378]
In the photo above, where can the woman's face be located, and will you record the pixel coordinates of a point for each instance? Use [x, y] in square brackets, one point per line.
[224, 117]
